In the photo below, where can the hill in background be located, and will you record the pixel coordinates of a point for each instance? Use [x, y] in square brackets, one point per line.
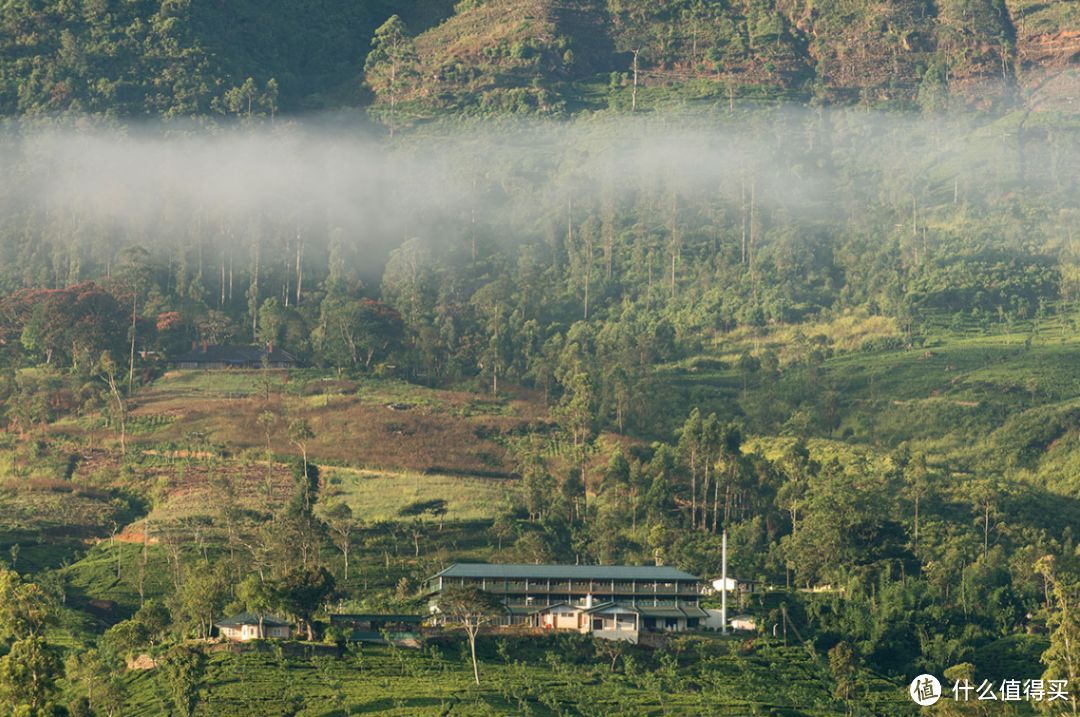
[182, 57]
[527, 56]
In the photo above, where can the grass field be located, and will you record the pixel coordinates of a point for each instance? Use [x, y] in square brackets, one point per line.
[963, 380]
[380, 495]
[380, 423]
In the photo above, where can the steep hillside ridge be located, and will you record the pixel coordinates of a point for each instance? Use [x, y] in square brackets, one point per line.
[911, 51]
[184, 58]
[860, 45]
[747, 42]
[510, 54]
[587, 24]
[1048, 51]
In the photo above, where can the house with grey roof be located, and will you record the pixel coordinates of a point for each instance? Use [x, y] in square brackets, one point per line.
[247, 626]
[213, 357]
[608, 601]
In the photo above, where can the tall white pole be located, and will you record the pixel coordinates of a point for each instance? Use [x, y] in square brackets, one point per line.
[723, 581]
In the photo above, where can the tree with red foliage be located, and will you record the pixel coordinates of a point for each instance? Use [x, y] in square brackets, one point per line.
[70, 326]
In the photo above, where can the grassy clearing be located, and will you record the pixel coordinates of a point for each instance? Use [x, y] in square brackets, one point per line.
[955, 392]
[195, 383]
[792, 342]
[45, 523]
[380, 495]
[958, 388]
[773, 448]
[110, 571]
[364, 423]
[193, 489]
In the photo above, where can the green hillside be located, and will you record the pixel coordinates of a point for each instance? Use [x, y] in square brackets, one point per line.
[544, 56]
[181, 57]
[184, 57]
[787, 289]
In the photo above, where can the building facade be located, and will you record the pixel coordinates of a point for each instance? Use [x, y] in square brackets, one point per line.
[609, 601]
[253, 626]
[216, 357]
[377, 627]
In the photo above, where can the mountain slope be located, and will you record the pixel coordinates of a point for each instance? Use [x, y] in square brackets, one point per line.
[181, 57]
[192, 57]
[510, 54]
[492, 53]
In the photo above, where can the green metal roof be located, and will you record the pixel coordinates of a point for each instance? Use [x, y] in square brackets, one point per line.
[648, 611]
[552, 606]
[521, 571]
[525, 609]
[681, 611]
[626, 607]
[375, 617]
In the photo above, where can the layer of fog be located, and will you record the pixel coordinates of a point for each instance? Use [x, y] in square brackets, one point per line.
[165, 187]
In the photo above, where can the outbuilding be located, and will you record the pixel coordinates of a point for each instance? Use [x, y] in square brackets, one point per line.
[248, 626]
[216, 357]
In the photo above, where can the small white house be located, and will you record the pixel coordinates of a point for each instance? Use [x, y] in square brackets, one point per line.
[746, 623]
[562, 616]
[715, 621]
[733, 585]
[252, 626]
[612, 621]
[618, 621]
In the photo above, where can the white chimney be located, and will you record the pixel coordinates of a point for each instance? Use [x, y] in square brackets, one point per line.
[588, 601]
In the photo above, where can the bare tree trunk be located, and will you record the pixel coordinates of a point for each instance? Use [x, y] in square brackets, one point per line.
[131, 356]
[715, 502]
[674, 239]
[120, 409]
[727, 502]
[693, 488]
[299, 266]
[588, 271]
[584, 493]
[673, 273]
[255, 301]
[705, 498]
[472, 648]
[393, 95]
[753, 227]
[286, 292]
